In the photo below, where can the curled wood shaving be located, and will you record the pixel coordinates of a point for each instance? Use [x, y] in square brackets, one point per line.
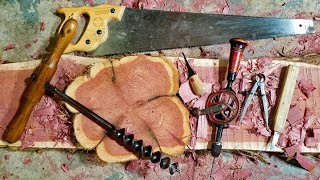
[309, 58]
[252, 155]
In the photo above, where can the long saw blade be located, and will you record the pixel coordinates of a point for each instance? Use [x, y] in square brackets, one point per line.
[113, 29]
[148, 30]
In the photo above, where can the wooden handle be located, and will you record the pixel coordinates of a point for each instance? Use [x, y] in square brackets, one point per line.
[35, 90]
[286, 93]
[96, 31]
[198, 87]
[236, 54]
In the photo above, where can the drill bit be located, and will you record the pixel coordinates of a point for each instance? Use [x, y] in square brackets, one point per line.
[212, 165]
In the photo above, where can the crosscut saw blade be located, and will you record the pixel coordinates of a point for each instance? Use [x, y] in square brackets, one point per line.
[116, 29]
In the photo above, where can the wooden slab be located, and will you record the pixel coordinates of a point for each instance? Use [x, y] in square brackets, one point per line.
[13, 77]
[210, 70]
[207, 70]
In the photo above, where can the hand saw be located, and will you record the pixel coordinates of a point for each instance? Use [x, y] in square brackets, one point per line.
[113, 29]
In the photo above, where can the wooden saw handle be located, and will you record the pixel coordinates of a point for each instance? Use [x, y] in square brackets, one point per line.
[96, 31]
[286, 93]
[35, 90]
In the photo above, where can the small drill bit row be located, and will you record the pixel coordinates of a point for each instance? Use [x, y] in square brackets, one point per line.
[145, 151]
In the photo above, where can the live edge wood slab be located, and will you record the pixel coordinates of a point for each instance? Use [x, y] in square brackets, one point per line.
[14, 75]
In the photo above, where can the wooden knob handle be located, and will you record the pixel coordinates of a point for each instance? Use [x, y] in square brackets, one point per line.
[35, 90]
[198, 86]
[236, 54]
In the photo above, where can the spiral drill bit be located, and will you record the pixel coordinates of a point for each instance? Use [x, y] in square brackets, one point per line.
[137, 146]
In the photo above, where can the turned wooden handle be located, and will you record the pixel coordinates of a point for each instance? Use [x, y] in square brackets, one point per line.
[236, 54]
[35, 90]
[284, 101]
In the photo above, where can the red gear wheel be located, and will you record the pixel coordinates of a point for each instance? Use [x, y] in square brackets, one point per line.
[231, 103]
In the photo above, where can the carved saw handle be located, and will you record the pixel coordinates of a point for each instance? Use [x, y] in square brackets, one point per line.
[96, 31]
[35, 90]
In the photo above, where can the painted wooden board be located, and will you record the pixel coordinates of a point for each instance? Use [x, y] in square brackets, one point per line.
[13, 77]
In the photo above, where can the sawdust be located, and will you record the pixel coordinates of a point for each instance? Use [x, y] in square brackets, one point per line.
[207, 54]
[70, 157]
[307, 44]
[9, 47]
[296, 135]
[90, 2]
[27, 45]
[27, 161]
[306, 87]
[151, 4]
[42, 26]
[36, 54]
[65, 168]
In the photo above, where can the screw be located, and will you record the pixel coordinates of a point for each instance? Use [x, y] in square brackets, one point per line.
[112, 10]
[99, 32]
[88, 41]
[33, 76]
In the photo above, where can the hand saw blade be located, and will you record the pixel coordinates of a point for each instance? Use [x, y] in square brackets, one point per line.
[147, 30]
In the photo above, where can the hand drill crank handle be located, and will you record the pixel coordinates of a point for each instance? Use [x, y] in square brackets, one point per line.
[213, 109]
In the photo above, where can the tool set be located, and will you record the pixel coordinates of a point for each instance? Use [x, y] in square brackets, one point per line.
[116, 29]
